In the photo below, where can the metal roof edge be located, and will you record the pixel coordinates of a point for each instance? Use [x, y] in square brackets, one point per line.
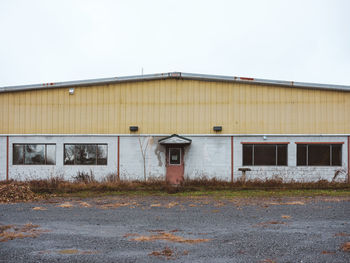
[174, 75]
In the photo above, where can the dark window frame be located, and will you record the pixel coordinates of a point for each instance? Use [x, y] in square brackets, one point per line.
[253, 144]
[180, 156]
[24, 153]
[75, 149]
[331, 145]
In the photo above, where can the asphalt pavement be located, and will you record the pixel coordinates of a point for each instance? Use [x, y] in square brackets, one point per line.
[176, 229]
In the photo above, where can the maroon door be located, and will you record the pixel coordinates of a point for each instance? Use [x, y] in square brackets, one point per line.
[174, 165]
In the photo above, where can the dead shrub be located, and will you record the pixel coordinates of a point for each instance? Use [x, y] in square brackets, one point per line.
[83, 177]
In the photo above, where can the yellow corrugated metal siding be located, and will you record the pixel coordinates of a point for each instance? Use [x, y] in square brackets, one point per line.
[176, 106]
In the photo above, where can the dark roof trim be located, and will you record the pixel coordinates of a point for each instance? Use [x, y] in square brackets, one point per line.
[172, 140]
[175, 75]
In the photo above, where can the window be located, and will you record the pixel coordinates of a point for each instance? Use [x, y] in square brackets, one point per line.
[85, 154]
[34, 154]
[175, 156]
[319, 154]
[265, 154]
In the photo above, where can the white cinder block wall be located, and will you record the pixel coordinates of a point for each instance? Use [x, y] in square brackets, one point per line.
[28, 172]
[131, 160]
[292, 171]
[208, 156]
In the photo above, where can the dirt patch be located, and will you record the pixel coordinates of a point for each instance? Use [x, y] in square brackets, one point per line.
[325, 252]
[342, 234]
[11, 192]
[168, 253]
[285, 216]
[116, 205]
[10, 232]
[346, 247]
[167, 236]
[265, 224]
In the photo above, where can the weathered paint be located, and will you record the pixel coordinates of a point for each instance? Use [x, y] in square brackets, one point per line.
[206, 157]
[292, 171]
[174, 173]
[176, 106]
[25, 172]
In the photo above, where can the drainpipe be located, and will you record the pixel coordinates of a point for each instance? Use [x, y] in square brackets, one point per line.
[231, 159]
[7, 158]
[348, 159]
[118, 158]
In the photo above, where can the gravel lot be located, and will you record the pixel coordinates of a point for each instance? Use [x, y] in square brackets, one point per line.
[178, 229]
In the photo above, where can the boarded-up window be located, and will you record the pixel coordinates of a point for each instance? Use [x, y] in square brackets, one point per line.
[34, 154]
[265, 154]
[85, 154]
[319, 154]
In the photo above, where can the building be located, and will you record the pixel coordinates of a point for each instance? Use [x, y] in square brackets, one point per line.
[175, 125]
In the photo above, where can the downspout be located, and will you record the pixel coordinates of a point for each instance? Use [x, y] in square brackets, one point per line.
[348, 159]
[118, 158]
[7, 158]
[231, 159]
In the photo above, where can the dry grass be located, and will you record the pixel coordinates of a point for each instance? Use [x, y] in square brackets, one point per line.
[68, 251]
[285, 216]
[325, 252]
[168, 253]
[39, 208]
[167, 236]
[265, 224]
[342, 234]
[346, 247]
[10, 232]
[66, 205]
[88, 183]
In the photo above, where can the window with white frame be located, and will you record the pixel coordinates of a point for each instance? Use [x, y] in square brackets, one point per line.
[34, 154]
[85, 154]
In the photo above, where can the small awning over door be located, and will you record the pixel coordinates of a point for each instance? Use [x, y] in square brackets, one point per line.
[175, 139]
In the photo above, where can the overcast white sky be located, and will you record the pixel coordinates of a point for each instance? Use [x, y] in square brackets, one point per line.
[50, 41]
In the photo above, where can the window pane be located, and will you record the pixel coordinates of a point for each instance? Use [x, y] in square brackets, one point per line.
[85, 154]
[174, 156]
[69, 155]
[319, 154]
[17, 155]
[34, 154]
[264, 154]
[336, 154]
[282, 154]
[247, 154]
[102, 154]
[50, 154]
[301, 154]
